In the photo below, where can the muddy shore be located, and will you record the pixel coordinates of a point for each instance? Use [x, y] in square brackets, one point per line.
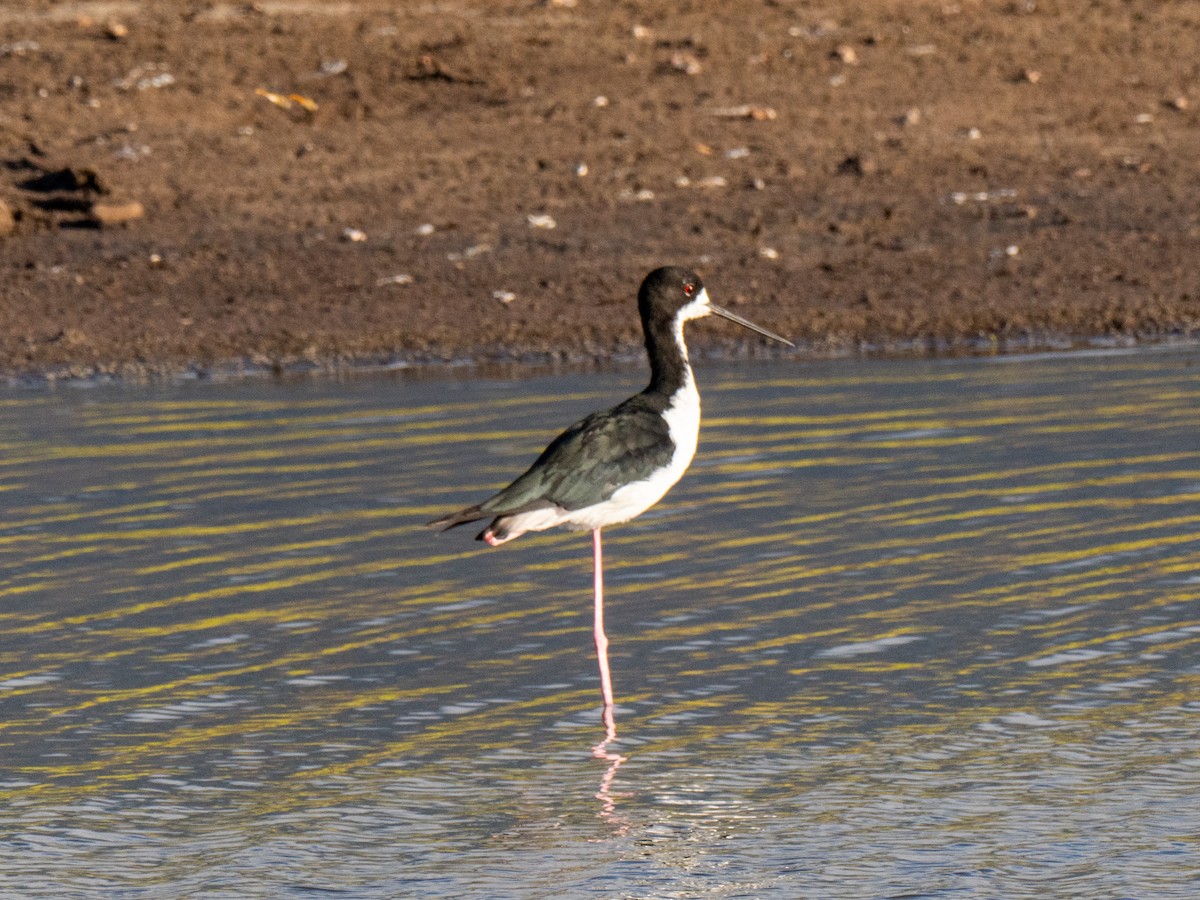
[193, 186]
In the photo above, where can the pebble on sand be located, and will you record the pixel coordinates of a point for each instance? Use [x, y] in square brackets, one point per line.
[747, 111]
[109, 213]
[846, 54]
[8, 220]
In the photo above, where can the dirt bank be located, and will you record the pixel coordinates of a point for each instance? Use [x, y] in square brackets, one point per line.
[200, 183]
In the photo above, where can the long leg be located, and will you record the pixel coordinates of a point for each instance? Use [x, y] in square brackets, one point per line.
[606, 690]
[601, 751]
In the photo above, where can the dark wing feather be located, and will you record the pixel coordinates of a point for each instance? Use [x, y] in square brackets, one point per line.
[462, 517]
[585, 464]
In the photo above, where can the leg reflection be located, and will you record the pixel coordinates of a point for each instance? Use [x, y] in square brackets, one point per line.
[608, 800]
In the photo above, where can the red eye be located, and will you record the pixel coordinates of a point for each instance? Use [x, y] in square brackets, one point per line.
[689, 288]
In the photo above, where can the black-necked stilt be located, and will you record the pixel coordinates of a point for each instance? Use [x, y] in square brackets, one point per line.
[616, 464]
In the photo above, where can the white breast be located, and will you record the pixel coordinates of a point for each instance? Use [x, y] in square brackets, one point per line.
[683, 423]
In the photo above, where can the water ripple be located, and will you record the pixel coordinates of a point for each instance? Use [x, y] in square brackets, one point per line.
[913, 629]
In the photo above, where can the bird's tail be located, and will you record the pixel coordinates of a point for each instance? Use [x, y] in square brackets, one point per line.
[462, 517]
[494, 535]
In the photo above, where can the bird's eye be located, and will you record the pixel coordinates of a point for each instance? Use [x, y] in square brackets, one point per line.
[689, 288]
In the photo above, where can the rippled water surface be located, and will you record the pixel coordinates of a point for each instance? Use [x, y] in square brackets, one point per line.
[906, 629]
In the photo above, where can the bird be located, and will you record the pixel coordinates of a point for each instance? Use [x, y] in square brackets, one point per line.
[613, 465]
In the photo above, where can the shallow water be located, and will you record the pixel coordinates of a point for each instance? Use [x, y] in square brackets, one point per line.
[919, 629]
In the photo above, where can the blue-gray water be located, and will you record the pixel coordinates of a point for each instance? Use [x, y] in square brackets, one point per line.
[906, 629]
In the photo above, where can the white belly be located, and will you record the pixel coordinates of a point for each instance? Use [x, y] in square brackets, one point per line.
[633, 499]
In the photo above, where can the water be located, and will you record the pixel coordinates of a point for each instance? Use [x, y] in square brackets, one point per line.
[906, 629]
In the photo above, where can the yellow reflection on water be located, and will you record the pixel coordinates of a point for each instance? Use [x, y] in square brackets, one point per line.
[855, 560]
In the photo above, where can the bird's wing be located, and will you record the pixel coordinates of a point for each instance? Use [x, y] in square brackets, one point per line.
[588, 462]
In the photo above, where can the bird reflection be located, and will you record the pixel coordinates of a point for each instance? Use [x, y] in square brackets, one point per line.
[608, 800]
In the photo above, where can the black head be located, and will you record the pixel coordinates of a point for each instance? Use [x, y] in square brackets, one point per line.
[666, 291]
[673, 295]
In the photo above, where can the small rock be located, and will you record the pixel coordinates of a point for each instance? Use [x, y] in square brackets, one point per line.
[541, 221]
[469, 253]
[768, 253]
[846, 54]
[710, 181]
[19, 48]
[72, 337]
[131, 152]
[161, 80]
[642, 194]
[401, 278]
[8, 219]
[747, 111]
[1029, 76]
[353, 235]
[116, 31]
[425, 230]
[505, 297]
[911, 118]
[685, 62]
[1180, 103]
[109, 213]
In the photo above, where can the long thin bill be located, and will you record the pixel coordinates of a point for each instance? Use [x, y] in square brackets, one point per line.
[732, 317]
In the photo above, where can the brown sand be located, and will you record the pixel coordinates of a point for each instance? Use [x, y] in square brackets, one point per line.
[191, 184]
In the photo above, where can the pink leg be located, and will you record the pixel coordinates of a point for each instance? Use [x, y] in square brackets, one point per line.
[601, 751]
[606, 690]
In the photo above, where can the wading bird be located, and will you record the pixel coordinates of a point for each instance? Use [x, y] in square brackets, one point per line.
[617, 463]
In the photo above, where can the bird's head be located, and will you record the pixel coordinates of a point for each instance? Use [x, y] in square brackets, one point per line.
[675, 294]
